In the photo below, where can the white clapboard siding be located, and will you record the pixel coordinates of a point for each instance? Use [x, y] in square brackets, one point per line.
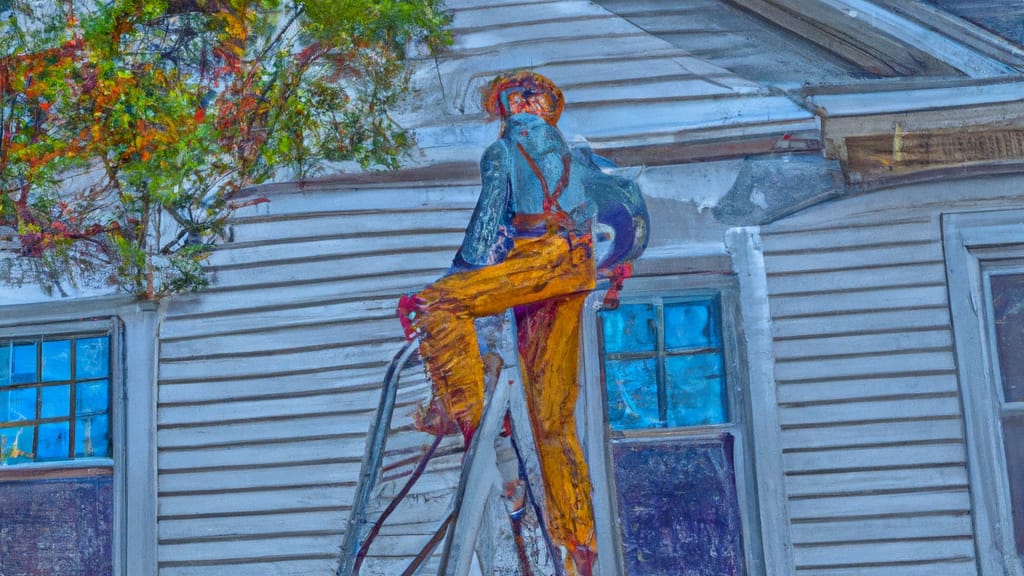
[270, 379]
[871, 424]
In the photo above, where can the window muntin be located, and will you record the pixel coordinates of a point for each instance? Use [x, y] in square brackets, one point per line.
[54, 398]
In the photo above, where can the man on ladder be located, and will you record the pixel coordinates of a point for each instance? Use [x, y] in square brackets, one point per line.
[530, 247]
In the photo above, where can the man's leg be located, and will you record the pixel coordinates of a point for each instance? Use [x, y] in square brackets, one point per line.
[536, 269]
[549, 351]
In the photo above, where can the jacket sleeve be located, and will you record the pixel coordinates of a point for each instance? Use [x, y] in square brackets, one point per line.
[487, 239]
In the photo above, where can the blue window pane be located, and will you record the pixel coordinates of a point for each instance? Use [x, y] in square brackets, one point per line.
[56, 401]
[691, 325]
[92, 436]
[16, 445]
[53, 441]
[92, 357]
[92, 397]
[56, 360]
[629, 328]
[23, 365]
[678, 507]
[632, 387]
[695, 390]
[17, 405]
[5, 364]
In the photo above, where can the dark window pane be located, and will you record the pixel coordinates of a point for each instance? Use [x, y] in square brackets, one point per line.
[92, 397]
[678, 510]
[695, 390]
[92, 436]
[16, 445]
[5, 364]
[17, 405]
[56, 360]
[691, 325]
[23, 365]
[92, 358]
[1013, 435]
[53, 442]
[56, 401]
[1008, 306]
[632, 388]
[629, 328]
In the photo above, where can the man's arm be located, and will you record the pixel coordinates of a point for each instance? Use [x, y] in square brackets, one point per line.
[487, 241]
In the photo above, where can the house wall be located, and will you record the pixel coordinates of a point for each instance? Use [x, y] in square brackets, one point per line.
[869, 406]
[268, 381]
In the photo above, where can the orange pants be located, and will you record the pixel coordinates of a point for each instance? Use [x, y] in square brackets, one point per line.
[545, 280]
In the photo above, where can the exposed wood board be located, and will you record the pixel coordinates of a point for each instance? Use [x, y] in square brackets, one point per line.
[865, 366]
[652, 89]
[265, 477]
[280, 230]
[497, 15]
[215, 434]
[305, 200]
[837, 435]
[851, 257]
[331, 248]
[940, 501]
[900, 152]
[965, 567]
[335, 402]
[824, 347]
[545, 28]
[835, 106]
[271, 340]
[867, 388]
[254, 549]
[892, 318]
[867, 300]
[853, 555]
[254, 456]
[868, 529]
[837, 237]
[823, 417]
[300, 270]
[858, 40]
[353, 380]
[879, 481]
[307, 314]
[888, 276]
[225, 527]
[321, 564]
[259, 366]
[867, 459]
[193, 308]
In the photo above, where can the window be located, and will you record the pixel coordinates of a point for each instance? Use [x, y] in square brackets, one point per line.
[75, 496]
[1005, 291]
[676, 440]
[54, 398]
[985, 271]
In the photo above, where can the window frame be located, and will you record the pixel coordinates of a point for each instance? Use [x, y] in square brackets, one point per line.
[132, 411]
[737, 279]
[975, 244]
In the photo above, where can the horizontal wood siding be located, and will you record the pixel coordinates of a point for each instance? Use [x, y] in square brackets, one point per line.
[871, 424]
[270, 379]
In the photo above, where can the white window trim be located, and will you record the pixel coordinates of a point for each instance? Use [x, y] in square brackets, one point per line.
[971, 239]
[764, 514]
[133, 329]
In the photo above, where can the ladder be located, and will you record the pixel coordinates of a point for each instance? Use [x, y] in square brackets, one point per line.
[495, 505]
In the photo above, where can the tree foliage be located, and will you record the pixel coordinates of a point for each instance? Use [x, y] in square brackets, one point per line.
[129, 127]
